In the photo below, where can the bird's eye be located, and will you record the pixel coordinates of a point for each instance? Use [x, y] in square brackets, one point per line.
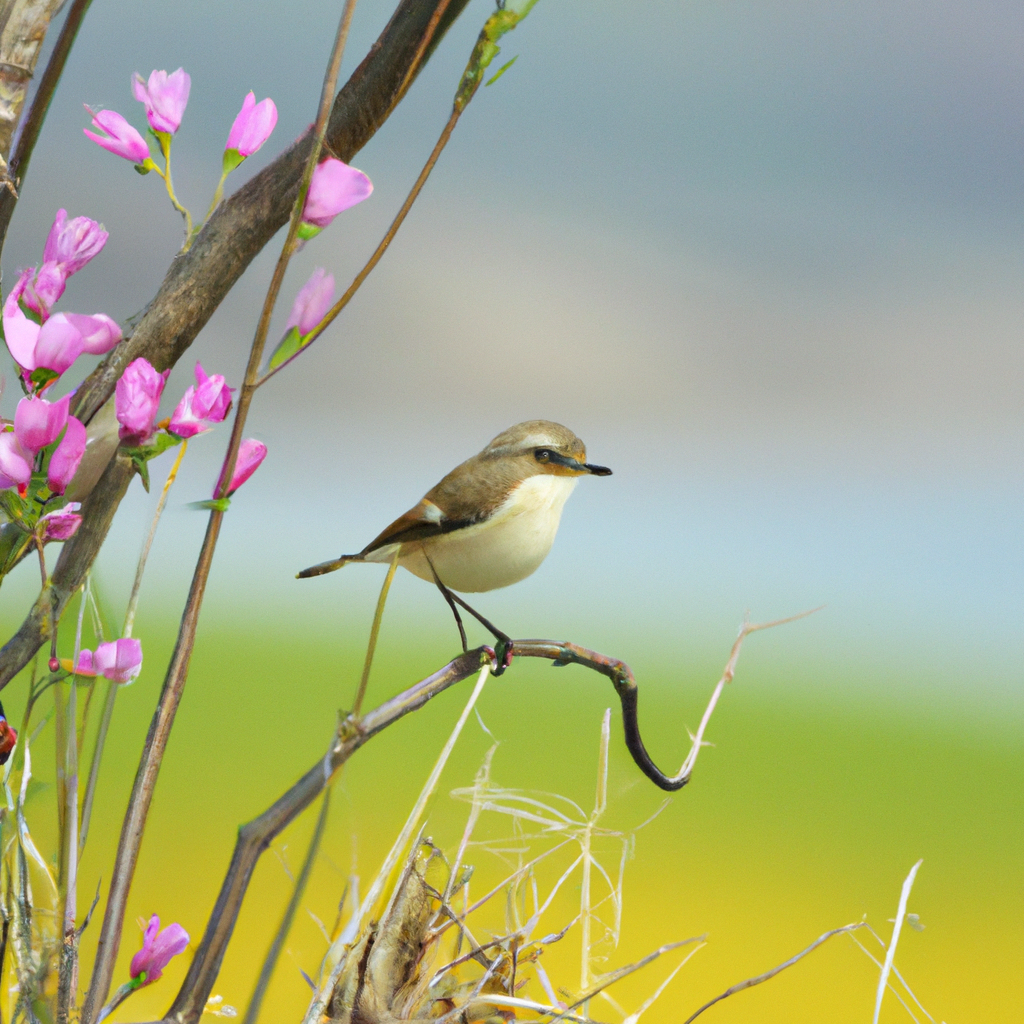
[543, 454]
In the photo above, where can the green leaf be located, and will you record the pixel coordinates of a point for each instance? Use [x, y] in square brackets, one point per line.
[497, 74]
[42, 376]
[308, 231]
[290, 344]
[211, 505]
[141, 456]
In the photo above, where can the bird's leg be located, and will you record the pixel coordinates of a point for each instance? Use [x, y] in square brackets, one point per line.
[504, 644]
[503, 652]
[450, 598]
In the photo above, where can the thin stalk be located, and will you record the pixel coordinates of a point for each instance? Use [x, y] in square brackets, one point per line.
[388, 238]
[252, 1012]
[177, 671]
[67, 875]
[371, 647]
[112, 687]
[165, 147]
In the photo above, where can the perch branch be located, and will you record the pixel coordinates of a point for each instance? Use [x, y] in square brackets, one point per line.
[256, 836]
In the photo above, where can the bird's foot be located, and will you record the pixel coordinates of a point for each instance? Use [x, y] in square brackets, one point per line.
[503, 653]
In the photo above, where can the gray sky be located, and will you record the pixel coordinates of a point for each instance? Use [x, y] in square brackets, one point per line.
[764, 258]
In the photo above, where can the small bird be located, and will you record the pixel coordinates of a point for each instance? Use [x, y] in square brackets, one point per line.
[490, 522]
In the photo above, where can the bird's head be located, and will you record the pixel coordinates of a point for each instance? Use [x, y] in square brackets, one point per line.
[544, 447]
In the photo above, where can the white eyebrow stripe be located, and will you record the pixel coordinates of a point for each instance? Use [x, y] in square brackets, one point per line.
[431, 513]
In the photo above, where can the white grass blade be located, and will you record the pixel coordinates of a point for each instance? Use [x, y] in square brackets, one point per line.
[890, 953]
[337, 952]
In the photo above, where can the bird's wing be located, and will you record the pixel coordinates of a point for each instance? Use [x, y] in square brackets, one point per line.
[422, 521]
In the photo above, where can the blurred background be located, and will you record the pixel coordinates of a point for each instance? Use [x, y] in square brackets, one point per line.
[765, 259]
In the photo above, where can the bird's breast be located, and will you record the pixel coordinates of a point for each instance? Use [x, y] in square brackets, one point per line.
[503, 549]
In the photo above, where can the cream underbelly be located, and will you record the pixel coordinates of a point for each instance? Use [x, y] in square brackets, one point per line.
[506, 548]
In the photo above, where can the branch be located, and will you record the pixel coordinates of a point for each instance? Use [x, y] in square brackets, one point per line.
[257, 835]
[198, 280]
[37, 112]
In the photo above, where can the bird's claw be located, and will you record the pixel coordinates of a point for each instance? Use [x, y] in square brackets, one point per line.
[504, 649]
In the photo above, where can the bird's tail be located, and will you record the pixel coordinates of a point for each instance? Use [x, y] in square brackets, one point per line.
[325, 567]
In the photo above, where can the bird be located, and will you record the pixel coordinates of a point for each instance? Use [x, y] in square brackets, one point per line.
[489, 523]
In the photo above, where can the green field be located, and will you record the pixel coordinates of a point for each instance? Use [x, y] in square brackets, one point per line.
[805, 814]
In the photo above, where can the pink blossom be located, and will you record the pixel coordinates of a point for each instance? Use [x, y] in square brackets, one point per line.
[66, 457]
[253, 125]
[205, 402]
[335, 187]
[15, 462]
[38, 422]
[315, 297]
[99, 332]
[62, 524]
[121, 138]
[250, 454]
[120, 661]
[165, 97]
[136, 400]
[158, 948]
[84, 666]
[48, 286]
[72, 243]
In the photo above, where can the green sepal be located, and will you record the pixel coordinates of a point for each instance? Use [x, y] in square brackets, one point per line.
[211, 505]
[307, 231]
[141, 456]
[290, 344]
[497, 74]
[41, 376]
[232, 159]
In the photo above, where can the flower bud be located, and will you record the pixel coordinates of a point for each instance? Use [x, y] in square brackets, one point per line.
[165, 97]
[120, 661]
[158, 949]
[38, 422]
[72, 243]
[252, 127]
[250, 454]
[99, 332]
[62, 524]
[66, 457]
[137, 399]
[334, 187]
[315, 297]
[119, 137]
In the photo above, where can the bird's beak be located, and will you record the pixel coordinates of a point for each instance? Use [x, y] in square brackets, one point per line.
[579, 467]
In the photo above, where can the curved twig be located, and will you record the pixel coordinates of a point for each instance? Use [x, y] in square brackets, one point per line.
[257, 835]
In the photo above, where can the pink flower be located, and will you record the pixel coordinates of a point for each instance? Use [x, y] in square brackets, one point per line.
[15, 462]
[315, 297]
[136, 400]
[38, 422]
[207, 401]
[99, 332]
[120, 661]
[335, 187]
[62, 524]
[71, 244]
[165, 97]
[60, 340]
[253, 125]
[250, 454]
[66, 457]
[158, 948]
[48, 286]
[121, 138]
[84, 666]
